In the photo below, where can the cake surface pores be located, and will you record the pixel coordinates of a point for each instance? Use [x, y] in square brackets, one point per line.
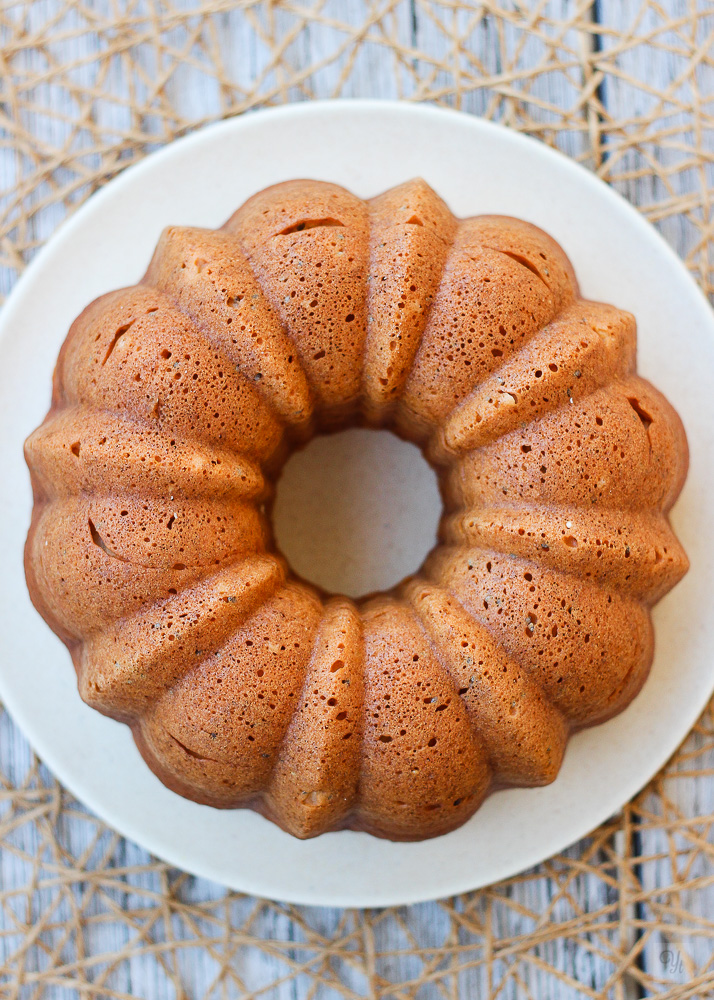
[177, 401]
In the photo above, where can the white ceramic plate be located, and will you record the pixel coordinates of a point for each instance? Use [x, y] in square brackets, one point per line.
[477, 167]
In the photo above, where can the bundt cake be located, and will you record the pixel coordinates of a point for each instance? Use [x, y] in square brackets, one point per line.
[175, 405]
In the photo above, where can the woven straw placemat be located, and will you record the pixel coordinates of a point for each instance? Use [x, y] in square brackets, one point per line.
[627, 88]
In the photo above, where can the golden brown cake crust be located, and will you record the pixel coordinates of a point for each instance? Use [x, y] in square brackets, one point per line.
[175, 404]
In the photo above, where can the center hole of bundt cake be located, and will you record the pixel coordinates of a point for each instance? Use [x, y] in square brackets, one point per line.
[356, 511]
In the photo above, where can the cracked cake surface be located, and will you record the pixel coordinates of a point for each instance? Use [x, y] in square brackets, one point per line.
[175, 405]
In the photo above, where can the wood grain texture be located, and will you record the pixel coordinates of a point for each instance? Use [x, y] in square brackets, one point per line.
[627, 88]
